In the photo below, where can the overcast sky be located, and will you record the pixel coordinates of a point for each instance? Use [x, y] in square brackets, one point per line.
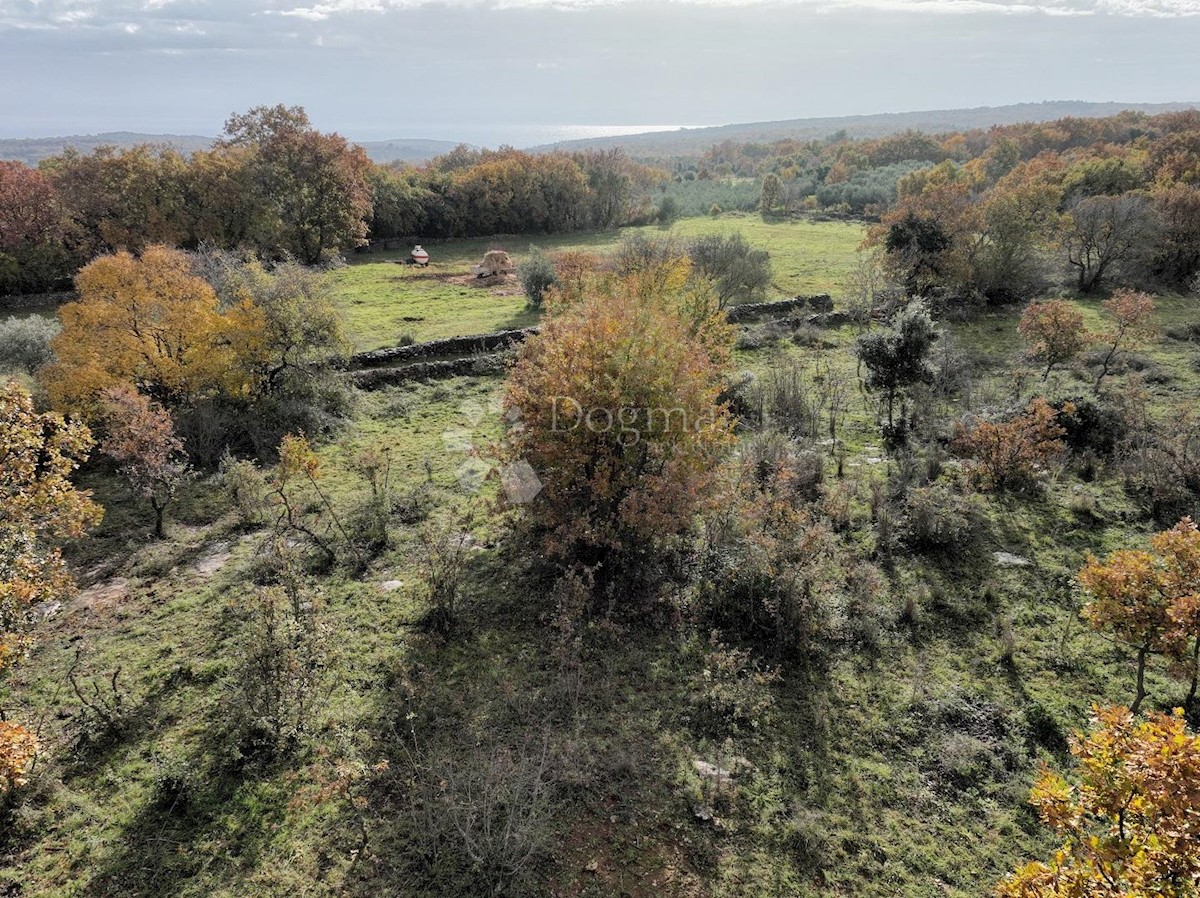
[453, 69]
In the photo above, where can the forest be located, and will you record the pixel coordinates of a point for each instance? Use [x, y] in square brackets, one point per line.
[801, 518]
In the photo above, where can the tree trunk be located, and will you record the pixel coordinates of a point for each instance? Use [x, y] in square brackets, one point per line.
[1143, 652]
[159, 509]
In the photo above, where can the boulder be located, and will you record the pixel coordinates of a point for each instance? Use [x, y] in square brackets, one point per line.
[822, 302]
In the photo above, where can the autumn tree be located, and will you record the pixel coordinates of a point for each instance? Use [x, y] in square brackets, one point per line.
[149, 322]
[32, 254]
[619, 419]
[1132, 317]
[1145, 597]
[38, 507]
[897, 357]
[1129, 816]
[1013, 453]
[1055, 332]
[120, 199]
[139, 436]
[313, 185]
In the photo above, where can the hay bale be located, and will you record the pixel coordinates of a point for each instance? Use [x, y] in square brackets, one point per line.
[495, 262]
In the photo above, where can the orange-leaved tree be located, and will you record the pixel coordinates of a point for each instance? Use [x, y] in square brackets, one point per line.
[140, 438]
[148, 321]
[1129, 817]
[1132, 315]
[38, 506]
[619, 417]
[1148, 598]
[1055, 332]
[1011, 454]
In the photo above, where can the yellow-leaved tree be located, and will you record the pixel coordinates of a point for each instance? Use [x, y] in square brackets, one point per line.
[619, 413]
[1129, 817]
[38, 506]
[150, 322]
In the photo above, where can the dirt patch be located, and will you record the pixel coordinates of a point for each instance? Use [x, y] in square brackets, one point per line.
[213, 561]
[494, 280]
[102, 596]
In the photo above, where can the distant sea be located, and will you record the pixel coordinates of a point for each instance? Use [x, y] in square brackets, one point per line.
[513, 135]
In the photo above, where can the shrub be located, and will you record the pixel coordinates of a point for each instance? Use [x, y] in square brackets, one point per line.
[732, 693]
[275, 684]
[1013, 454]
[937, 518]
[898, 357]
[25, 343]
[617, 400]
[1055, 332]
[537, 275]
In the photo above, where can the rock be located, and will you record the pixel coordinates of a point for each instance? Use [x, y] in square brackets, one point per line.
[822, 302]
[1008, 559]
[43, 610]
[391, 585]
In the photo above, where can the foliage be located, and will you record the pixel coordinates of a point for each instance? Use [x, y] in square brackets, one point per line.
[139, 436]
[1148, 598]
[538, 274]
[736, 271]
[772, 191]
[1132, 316]
[619, 418]
[38, 507]
[25, 343]
[916, 247]
[149, 322]
[1012, 454]
[310, 188]
[732, 692]
[1129, 817]
[1055, 332]
[897, 357]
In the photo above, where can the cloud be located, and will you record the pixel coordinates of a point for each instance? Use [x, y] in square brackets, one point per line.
[156, 17]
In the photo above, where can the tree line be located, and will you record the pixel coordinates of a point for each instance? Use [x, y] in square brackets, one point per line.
[276, 186]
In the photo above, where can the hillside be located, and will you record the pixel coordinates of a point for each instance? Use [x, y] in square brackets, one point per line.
[693, 141]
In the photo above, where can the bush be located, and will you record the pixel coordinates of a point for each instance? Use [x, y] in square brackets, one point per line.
[537, 275]
[275, 684]
[731, 694]
[25, 343]
[1013, 454]
[937, 518]
[617, 399]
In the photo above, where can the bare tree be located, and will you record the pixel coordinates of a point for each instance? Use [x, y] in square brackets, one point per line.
[1104, 232]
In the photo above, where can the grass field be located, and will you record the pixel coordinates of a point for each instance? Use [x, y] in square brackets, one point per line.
[383, 300]
[895, 761]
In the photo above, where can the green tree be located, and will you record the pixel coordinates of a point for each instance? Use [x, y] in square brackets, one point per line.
[772, 193]
[897, 357]
[736, 271]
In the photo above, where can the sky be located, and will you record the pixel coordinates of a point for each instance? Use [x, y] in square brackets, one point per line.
[478, 69]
